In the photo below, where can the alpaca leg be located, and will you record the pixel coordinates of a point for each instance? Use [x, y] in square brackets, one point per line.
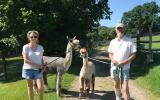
[81, 93]
[82, 83]
[87, 87]
[87, 84]
[93, 83]
[58, 84]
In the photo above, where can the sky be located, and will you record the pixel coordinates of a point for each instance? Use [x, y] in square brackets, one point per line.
[119, 7]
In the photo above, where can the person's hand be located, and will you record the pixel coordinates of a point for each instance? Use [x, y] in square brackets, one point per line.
[42, 68]
[114, 62]
[122, 63]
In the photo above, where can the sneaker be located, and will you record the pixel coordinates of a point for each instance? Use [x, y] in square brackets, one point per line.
[118, 98]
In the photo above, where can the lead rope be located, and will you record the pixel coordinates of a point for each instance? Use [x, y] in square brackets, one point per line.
[98, 60]
[120, 78]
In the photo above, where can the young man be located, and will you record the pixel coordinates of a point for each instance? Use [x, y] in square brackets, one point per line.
[122, 51]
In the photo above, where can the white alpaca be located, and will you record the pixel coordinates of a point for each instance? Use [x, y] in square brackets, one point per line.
[87, 74]
[60, 64]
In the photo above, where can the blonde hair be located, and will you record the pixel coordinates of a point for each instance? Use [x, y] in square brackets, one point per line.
[33, 31]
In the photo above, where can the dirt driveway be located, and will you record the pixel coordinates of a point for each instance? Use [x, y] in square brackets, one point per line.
[104, 85]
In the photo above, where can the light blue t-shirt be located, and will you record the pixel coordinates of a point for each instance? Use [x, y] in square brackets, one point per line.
[34, 56]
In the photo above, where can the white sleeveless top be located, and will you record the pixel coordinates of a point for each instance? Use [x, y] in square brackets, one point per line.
[34, 56]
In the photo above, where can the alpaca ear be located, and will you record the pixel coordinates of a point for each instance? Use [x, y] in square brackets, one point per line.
[67, 37]
[74, 37]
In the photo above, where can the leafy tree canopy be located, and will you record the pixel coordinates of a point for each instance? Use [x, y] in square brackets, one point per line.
[141, 18]
[54, 19]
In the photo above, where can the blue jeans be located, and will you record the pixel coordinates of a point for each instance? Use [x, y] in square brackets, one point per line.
[31, 74]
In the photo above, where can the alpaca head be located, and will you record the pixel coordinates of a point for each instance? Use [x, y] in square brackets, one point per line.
[73, 43]
[83, 52]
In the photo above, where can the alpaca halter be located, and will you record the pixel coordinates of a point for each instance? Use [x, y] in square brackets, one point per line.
[72, 45]
[83, 55]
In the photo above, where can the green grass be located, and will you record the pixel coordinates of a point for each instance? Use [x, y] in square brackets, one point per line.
[16, 89]
[102, 48]
[154, 38]
[151, 82]
[147, 75]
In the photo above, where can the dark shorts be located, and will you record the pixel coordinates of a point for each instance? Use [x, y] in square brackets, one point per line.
[31, 74]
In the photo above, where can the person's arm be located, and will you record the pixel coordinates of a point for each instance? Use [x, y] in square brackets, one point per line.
[43, 66]
[28, 61]
[129, 59]
[112, 60]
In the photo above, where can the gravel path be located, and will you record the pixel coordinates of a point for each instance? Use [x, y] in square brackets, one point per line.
[103, 84]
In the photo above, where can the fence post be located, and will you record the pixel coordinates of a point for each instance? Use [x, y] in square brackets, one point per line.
[4, 65]
[150, 41]
[150, 55]
[138, 39]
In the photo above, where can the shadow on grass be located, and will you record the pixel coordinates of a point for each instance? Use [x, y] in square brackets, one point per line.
[14, 70]
[140, 67]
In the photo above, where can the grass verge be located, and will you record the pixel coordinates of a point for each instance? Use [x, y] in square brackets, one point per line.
[147, 75]
[16, 89]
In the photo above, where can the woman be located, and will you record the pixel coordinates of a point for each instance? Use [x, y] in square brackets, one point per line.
[33, 64]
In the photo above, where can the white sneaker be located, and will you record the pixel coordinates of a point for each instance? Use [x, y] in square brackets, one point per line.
[118, 98]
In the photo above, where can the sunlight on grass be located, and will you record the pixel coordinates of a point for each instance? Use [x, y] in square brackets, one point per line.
[151, 82]
[105, 48]
[18, 90]
[14, 58]
[154, 38]
[13, 90]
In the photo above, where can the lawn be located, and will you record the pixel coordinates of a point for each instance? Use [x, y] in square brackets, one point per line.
[154, 38]
[151, 82]
[15, 88]
[18, 90]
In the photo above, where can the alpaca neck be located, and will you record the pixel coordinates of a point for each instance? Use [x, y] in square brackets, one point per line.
[68, 58]
[85, 61]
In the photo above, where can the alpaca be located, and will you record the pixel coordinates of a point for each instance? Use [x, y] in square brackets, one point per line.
[87, 74]
[60, 64]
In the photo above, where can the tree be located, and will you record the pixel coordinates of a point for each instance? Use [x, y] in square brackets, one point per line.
[54, 19]
[8, 44]
[141, 18]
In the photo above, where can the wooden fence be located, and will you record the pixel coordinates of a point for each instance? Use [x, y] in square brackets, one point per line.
[149, 51]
